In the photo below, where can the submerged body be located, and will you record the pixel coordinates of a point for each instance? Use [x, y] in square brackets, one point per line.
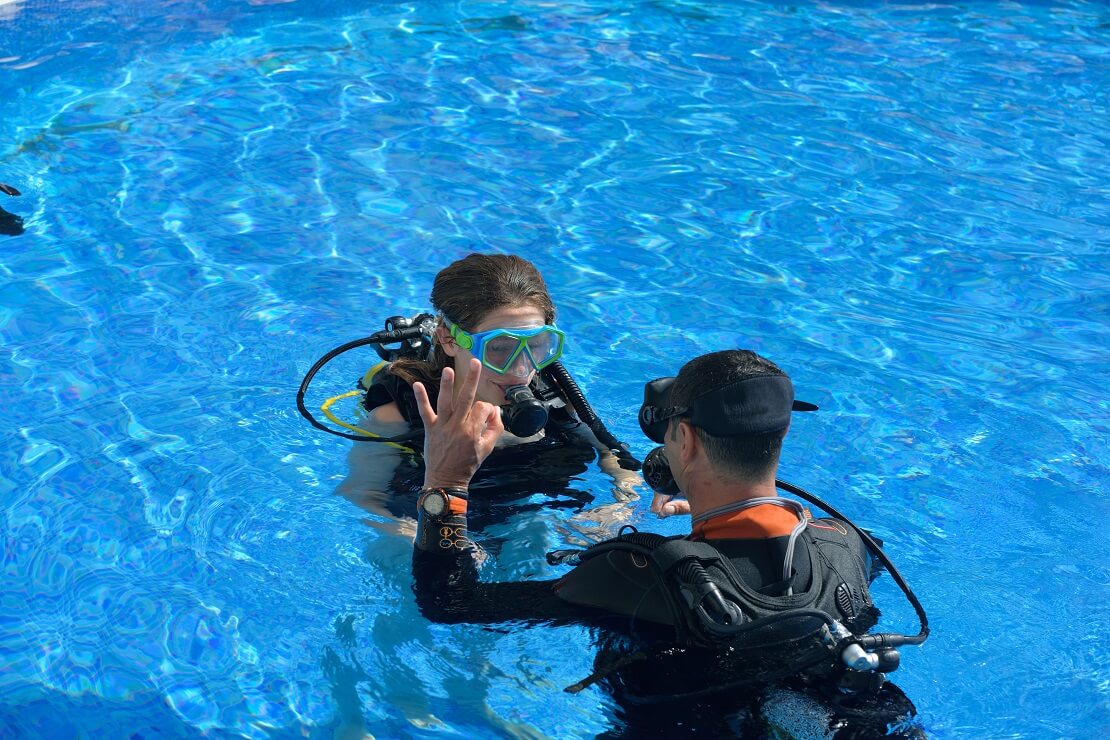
[10, 223]
[547, 466]
[664, 683]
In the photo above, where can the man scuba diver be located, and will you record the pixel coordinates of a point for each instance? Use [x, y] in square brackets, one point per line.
[755, 622]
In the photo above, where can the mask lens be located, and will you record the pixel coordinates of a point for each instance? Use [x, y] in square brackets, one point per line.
[545, 347]
[501, 348]
[499, 352]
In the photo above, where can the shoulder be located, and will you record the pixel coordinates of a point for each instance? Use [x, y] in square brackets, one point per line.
[385, 421]
[837, 540]
[388, 413]
[833, 530]
[390, 398]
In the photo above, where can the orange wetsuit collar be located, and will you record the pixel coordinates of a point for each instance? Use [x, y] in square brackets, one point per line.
[757, 522]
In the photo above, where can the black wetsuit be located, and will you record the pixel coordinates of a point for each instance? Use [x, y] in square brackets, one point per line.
[665, 688]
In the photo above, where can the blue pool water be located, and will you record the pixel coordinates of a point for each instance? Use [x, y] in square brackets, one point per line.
[904, 205]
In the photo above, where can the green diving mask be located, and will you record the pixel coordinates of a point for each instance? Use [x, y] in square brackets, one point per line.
[499, 349]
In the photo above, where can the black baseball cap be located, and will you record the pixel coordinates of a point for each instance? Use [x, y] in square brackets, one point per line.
[757, 404]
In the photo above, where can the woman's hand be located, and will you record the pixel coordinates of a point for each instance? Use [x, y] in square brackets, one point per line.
[625, 483]
[461, 435]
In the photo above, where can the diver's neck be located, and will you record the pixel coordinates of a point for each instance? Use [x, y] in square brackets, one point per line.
[713, 493]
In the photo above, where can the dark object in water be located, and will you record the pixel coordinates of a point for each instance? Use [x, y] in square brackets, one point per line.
[5, 188]
[10, 224]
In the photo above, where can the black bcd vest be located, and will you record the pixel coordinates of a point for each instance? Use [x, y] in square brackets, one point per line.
[687, 570]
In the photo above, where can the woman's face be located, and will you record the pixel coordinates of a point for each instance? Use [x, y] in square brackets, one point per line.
[491, 385]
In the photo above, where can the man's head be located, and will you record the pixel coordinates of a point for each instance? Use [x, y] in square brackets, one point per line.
[723, 418]
[750, 456]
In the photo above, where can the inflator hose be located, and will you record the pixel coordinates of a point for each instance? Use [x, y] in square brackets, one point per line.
[877, 640]
[379, 338]
[557, 374]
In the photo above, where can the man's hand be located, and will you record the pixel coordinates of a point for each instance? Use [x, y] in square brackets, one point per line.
[463, 432]
[665, 506]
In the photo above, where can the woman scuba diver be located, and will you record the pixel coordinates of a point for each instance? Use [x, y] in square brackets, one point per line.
[495, 308]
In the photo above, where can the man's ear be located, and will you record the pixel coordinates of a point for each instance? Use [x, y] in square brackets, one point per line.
[688, 441]
[446, 341]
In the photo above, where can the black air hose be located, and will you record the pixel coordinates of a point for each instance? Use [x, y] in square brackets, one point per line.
[398, 329]
[560, 377]
[873, 546]
[643, 539]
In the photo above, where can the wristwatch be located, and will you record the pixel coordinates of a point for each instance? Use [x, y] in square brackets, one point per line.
[435, 502]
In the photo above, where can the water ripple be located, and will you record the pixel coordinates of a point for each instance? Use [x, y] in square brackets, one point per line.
[903, 205]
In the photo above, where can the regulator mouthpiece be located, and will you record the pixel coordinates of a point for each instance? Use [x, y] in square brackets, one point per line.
[657, 473]
[524, 415]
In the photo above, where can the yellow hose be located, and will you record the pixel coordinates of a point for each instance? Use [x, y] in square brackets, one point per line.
[326, 408]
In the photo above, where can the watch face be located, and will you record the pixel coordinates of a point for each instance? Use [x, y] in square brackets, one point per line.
[434, 503]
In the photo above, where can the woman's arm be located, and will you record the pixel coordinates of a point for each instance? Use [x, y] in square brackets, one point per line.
[599, 522]
[625, 481]
[458, 438]
[371, 466]
[447, 588]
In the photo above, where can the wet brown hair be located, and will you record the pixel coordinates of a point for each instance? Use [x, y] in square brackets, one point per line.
[465, 292]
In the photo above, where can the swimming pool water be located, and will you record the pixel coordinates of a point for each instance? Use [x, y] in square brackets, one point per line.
[904, 205]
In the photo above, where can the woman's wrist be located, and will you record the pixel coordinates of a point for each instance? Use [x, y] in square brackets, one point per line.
[460, 490]
[450, 492]
[441, 519]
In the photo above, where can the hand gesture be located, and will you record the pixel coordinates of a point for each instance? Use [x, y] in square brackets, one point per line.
[463, 432]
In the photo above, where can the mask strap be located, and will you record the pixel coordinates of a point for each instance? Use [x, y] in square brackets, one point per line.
[655, 414]
[461, 336]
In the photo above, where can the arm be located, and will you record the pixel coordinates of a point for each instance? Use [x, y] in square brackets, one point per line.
[601, 522]
[625, 481]
[603, 591]
[371, 466]
[445, 574]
